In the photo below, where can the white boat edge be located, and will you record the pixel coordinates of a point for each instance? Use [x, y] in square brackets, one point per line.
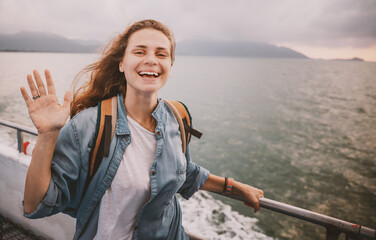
[13, 168]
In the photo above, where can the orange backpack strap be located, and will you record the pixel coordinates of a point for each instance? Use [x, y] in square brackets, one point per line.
[184, 120]
[106, 125]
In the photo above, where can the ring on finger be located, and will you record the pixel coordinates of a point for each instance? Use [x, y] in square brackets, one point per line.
[38, 96]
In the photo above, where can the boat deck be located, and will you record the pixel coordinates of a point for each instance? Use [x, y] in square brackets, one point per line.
[10, 230]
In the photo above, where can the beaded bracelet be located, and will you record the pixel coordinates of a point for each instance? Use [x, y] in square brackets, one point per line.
[228, 185]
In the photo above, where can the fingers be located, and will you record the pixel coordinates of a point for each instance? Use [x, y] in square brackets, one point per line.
[50, 82]
[254, 198]
[257, 206]
[39, 82]
[260, 194]
[67, 100]
[33, 89]
[39, 89]
[26, 96]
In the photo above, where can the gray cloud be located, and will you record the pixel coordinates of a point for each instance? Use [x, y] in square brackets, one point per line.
[347, 23]
[336, 23]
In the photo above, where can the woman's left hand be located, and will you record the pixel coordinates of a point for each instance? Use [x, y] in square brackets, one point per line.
[251, 194]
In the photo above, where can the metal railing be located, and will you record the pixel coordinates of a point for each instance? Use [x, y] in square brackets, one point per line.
[334, 227]
[20, 130]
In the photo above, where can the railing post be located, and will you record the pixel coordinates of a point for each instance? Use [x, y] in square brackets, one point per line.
[332, 233]
[20, 140]
[352, 237]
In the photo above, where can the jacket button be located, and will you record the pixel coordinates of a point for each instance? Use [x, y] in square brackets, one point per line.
[136, 227]
[154, 172]
[159, 133]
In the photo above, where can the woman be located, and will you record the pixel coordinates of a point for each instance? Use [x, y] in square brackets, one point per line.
[133, 193]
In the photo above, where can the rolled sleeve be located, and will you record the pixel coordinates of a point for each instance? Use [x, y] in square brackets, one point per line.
[47, 205]
[65, 167]
[196, 176]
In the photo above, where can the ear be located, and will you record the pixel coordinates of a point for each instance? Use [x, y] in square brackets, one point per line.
[121, 69]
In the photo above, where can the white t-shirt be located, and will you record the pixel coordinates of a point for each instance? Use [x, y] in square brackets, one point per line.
[130, 189]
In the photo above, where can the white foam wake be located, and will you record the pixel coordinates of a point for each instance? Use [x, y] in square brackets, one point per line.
[212, 219]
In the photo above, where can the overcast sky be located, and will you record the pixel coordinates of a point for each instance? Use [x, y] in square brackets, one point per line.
[317, 28]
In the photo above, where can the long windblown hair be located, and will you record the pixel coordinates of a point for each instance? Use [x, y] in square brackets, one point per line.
[105, 79]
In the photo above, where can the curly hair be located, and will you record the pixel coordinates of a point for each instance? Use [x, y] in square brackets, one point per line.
[106, 80]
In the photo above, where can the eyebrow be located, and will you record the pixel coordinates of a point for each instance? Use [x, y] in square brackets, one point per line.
[144, 47]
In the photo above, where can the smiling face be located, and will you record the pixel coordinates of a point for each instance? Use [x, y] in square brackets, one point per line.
[147, 62]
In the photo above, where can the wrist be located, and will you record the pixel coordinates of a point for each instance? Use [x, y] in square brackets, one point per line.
[227, 188]
[233, 187]
[237, 188]
[46, 139]
[48, 133]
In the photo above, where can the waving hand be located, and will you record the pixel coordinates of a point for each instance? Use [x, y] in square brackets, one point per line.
[44, 108]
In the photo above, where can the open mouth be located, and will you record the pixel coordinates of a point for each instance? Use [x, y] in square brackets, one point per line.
[149, 74]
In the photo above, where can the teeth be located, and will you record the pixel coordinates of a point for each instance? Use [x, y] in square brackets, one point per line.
[149, 74]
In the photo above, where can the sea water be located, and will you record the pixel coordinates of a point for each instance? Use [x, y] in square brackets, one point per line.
[302, 130]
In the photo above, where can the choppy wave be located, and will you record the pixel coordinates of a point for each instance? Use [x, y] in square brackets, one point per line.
[210, 218]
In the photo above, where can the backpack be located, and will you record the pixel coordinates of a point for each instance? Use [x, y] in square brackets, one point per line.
[106, 125]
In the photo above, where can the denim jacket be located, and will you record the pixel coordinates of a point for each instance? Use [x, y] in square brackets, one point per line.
[171, 172]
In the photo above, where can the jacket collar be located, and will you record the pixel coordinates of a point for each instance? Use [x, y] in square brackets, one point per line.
[122, 127]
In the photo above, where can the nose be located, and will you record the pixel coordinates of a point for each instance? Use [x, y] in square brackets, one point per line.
[150, 59]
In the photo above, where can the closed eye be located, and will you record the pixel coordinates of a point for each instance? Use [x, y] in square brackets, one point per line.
[162, 54]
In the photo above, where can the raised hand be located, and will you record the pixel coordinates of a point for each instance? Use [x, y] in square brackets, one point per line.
[44, 108]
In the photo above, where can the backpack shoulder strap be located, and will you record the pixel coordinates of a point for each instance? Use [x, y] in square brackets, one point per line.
[106, 125]
[184, 120]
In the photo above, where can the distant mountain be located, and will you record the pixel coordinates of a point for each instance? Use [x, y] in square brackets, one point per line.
[48, 42]
[351, 59]
[44, 42]
[235, 49]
